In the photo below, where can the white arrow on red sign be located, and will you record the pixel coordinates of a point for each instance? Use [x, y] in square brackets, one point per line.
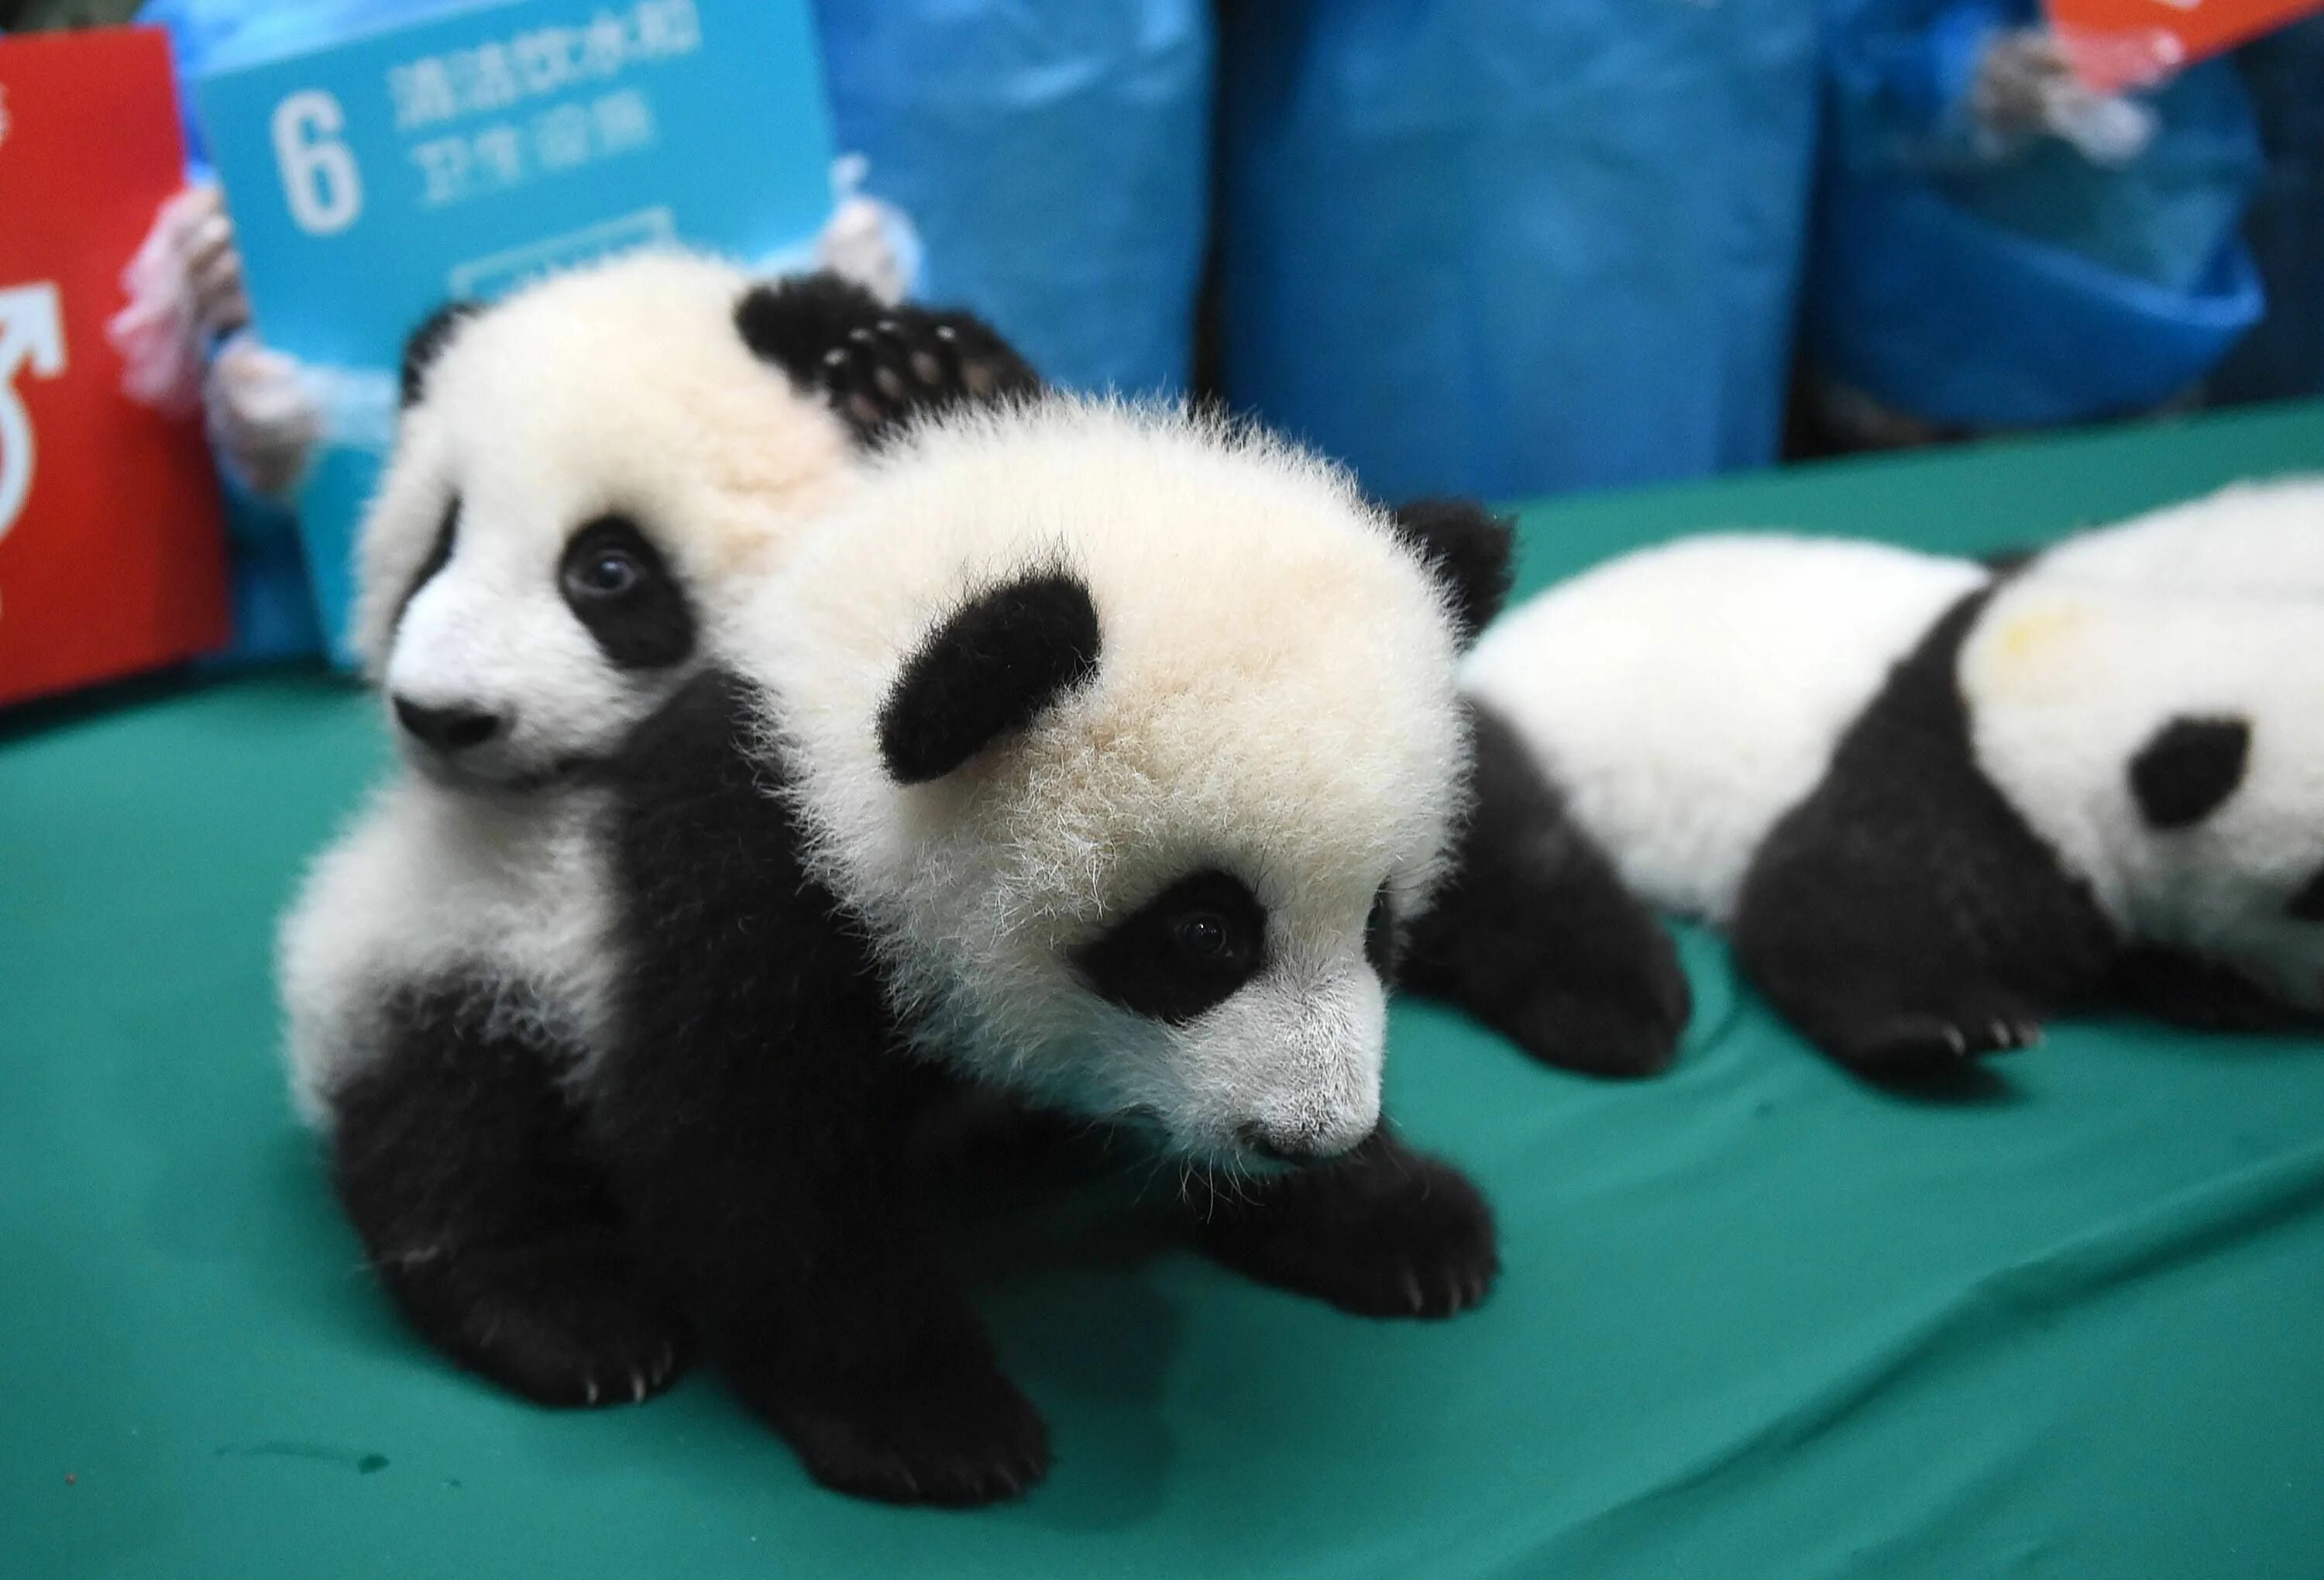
[31, 331]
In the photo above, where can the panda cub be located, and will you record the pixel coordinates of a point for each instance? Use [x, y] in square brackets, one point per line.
[1933, 804]
[1091, 754]
[586, 476]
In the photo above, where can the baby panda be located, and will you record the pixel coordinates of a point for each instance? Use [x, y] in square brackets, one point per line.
[1090, 754]
[586, 476]
[1933, 804]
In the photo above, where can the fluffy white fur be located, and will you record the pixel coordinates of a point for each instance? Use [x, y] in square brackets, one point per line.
[1686, 696]
[2066, 683]
[2264, 539]
[1275, 696]
[621, 387]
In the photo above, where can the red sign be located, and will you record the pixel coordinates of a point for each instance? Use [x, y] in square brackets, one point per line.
[2115, 45]
[112, 551]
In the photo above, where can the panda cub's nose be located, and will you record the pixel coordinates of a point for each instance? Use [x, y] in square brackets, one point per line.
[1277, 1148]
[448, 729]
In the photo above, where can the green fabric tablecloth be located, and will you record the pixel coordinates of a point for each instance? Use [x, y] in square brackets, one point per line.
[1757, 1319]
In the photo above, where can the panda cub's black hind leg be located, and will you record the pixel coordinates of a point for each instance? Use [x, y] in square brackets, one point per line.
[1535, 934]
[461, 1161]
[880, 365]
[1384, 1230]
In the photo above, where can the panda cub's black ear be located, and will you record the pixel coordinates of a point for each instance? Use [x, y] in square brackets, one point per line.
[425, 343]
[988, 669]
[1468, 550]
[2189, 767]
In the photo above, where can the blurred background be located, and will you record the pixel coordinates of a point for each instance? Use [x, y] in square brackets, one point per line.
[1501, 248]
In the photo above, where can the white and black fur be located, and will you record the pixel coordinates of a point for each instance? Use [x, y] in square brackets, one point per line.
[587, 477]
[1935, 804]
[1091, 754]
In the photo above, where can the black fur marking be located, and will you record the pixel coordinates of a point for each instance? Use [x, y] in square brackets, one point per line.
[1468, 550]
[988, 669]
[1904, 916]
[880, 367]
[2187, 990]
[1535, 934]
[1381, 1231]
[618, 585]
[1186, 950]
[2190, 766]
[427, 342]
[465, 1169]
[2308, 905]
[754, 1113]
[1379, 936]
[439, 555]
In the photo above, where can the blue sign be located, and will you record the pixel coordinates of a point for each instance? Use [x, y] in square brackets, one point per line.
[374, 178]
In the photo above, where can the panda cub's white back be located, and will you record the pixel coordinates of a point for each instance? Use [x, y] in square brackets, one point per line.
[1684, 697]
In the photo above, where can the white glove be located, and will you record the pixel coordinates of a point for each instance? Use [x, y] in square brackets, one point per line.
[184, 286]
[263, 417]
[2024, 85]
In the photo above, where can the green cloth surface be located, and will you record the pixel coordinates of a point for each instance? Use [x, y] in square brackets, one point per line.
[1757, 1319]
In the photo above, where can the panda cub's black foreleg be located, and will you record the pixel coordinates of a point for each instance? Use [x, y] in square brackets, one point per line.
[1535, 934]
[1904, 916]
[756, 1111]
[461, 1161]
[1384, 1230]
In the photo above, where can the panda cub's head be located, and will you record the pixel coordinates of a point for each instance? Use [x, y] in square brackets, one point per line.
[582, 473]
[2170, 746]
[1134, 739]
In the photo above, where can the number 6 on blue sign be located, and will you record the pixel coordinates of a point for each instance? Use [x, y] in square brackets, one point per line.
[319, 178]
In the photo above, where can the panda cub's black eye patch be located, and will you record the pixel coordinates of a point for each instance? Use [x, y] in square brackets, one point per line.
[439, 555]
[1184, 951]
[1379, 935]
[618, 587]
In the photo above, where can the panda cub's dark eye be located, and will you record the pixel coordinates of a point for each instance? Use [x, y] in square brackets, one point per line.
[617, 585]
[1184, 951]
[608, 575]
[1202, 935]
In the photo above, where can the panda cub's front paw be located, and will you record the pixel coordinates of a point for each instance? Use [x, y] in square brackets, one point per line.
[955, 1441]
[912, 361]
[1384, 1232]
[1914, 1045]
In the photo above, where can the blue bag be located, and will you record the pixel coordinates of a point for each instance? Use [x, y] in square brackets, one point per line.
[1985, 286]
[1505, 247]
[1053, 156]
[2284, 356]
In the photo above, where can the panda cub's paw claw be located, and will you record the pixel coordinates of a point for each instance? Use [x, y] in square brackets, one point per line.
[1913, 1045]
[564, 1321]
[914, 361]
